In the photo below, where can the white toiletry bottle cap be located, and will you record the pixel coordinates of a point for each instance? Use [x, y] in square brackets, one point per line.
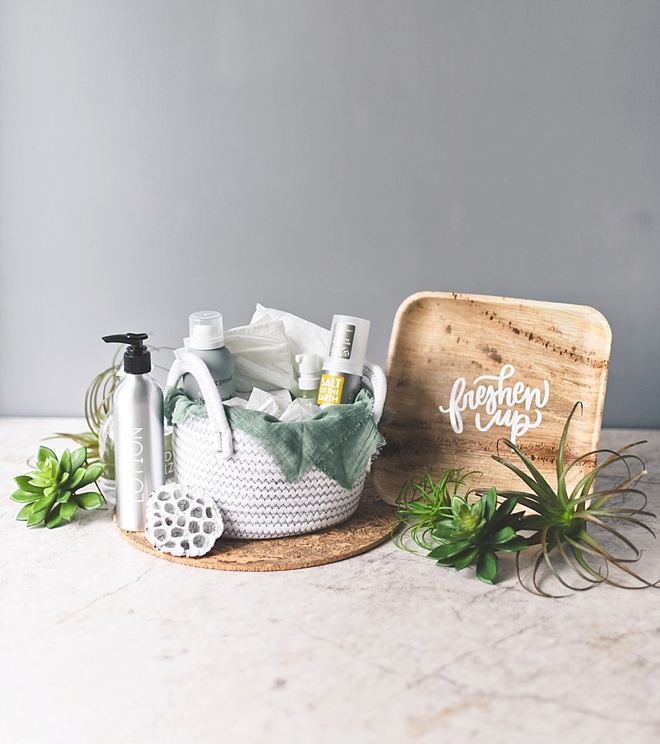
[309, 369]
[206, 330]
[348, 344]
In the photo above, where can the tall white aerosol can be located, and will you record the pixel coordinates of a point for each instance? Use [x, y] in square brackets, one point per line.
[139, 433]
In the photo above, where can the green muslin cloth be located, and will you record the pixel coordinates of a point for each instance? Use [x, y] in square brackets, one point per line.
[340, 441]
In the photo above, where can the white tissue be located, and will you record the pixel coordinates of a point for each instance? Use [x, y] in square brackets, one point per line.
[261, 356]
[235, 402]
[264, 351]
[280, 405]
[303, 336]
[298, 411]
[274, 404]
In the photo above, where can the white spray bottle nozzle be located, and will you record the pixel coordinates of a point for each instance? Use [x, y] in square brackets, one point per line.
[206, 330]
[309, 363]
[309, 371]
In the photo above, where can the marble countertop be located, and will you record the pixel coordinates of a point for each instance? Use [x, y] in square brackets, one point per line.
[100, 642]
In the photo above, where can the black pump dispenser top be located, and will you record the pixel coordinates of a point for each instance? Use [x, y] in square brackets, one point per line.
[137, 358]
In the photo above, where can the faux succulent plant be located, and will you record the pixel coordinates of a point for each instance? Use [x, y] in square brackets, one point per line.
[453, 531]
[564, 522]
[50, 494]
[466, 533]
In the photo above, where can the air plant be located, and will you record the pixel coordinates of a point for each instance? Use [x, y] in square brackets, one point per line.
[562, 520]
[97, 408]
[455, 532]
[419, 506]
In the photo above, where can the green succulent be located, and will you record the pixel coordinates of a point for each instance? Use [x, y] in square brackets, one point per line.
[466, 533]
[453, 531]
[562, 521]
[50, 495]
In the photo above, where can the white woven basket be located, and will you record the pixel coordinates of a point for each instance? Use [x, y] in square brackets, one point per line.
[254, 497]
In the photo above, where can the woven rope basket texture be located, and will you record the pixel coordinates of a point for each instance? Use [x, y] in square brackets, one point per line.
[254, 498]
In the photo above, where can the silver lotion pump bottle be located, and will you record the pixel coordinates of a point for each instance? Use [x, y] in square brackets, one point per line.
[139, 433]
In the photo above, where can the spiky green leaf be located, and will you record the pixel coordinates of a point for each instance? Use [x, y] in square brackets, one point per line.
[533, 470]
[541, 494]
[560, 466]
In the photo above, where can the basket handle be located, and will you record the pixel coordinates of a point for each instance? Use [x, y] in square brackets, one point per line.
[187, 363]
[376, 379]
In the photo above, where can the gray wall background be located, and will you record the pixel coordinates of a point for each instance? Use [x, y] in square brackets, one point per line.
[163, 156]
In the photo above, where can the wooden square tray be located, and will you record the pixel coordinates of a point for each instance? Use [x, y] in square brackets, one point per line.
[465, 371]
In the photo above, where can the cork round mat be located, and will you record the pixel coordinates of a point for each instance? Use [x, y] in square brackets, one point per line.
[370, 525]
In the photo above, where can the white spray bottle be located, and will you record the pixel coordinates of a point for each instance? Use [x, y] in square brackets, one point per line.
[207, 341]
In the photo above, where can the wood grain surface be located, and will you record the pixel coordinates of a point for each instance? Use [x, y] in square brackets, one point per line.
[465, 371]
